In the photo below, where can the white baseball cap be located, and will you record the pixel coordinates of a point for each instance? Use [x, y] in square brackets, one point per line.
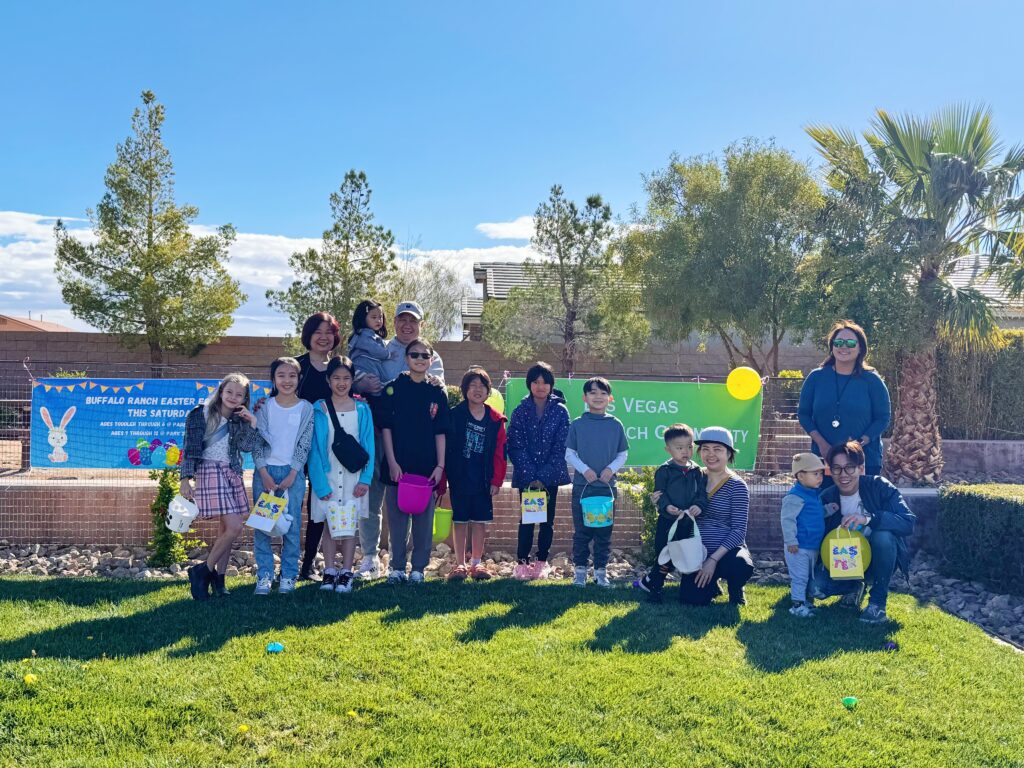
[409, 308]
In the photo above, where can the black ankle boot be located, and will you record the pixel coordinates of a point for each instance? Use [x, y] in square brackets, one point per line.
[199, 581]
[218, 585]
[737, 596]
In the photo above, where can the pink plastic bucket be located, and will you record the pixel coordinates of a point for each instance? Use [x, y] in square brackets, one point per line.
[414, 494]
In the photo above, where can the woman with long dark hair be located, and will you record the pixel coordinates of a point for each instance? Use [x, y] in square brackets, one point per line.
[845, 399]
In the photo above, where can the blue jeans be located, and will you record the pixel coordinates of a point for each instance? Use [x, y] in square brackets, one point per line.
[290, 543]
[878, 574]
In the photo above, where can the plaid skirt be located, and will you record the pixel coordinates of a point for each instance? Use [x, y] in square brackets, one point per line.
[219, 491]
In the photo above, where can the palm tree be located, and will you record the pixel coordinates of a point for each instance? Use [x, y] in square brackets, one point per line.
[947, 193]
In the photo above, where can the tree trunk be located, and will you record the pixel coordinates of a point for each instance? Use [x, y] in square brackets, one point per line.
[915, 451]
[156, 359]
[569, 344]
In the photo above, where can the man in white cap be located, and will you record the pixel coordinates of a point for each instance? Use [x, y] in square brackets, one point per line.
[408, 317]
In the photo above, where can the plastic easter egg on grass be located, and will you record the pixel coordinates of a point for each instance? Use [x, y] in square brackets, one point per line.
[497, 401]
[275, 647]
[743, 383]
[133, 457]
[891, 646]
[850, 702]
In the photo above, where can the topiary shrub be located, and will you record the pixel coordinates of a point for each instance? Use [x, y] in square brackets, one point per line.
[638, 484]
[981, 533]
[167, 546]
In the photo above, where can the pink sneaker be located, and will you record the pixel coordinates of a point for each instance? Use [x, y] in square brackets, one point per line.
[522, 572]
[539, 569]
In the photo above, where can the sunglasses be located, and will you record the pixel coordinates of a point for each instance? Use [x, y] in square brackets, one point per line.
[849, 469]
[418, 355]
[840, 343]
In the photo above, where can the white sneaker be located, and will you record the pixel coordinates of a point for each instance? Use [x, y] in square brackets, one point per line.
[416, 577]
[396, 577]
[369, 568]
[601, 577]
[263, 586]
[802, 610]
[581, 576]
[285, 586]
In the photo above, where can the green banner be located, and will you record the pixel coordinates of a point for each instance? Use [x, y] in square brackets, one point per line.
[647, 408]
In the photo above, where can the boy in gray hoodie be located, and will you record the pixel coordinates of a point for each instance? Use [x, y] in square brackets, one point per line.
[597, 449]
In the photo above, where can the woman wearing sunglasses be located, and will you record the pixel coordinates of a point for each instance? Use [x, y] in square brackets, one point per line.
[845, 399]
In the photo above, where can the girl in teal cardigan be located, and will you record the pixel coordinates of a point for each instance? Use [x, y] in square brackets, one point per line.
[332, 482]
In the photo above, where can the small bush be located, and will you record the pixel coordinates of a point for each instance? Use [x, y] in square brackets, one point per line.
[168, 547]
[454, 395]
[981, 533]
[638, 484]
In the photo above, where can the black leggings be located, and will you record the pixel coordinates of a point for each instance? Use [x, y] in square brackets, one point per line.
[314, 532]
[735, 567]
[547, 530]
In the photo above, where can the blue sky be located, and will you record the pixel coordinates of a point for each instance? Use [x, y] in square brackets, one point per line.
[460, 113]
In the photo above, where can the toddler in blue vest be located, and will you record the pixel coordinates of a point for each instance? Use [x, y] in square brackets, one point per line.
[803, 528]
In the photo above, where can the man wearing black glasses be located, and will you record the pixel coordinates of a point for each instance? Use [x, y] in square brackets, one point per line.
[876, 506]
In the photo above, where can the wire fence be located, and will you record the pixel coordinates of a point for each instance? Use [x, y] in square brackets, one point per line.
[111, 506]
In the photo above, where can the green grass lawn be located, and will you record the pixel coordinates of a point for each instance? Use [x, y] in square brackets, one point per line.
[501, 673]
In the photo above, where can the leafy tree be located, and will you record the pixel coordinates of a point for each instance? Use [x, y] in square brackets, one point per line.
[354, 259]
[577, 296]
[719, 246]
[148, 278]
[915, 200]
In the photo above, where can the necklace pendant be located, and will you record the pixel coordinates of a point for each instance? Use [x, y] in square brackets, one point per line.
[835, 423]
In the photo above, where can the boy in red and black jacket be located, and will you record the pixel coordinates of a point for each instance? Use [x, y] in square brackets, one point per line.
[475, 468]
[683, 488]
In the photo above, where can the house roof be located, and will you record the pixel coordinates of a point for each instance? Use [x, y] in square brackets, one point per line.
[11, 323]
[499, 277]
[472, 308]
[971, 274]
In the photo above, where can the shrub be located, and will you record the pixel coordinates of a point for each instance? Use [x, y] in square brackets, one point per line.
[167, 546]
[981, 533]
[638, 484]
[980, 397]
[454, 395]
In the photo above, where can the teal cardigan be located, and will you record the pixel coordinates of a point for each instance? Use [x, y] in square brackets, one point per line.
[320, 452]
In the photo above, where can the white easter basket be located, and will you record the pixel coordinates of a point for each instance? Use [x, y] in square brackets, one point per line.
[180, 514]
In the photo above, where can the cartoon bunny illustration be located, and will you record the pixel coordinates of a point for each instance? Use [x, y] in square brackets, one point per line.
[58, 436]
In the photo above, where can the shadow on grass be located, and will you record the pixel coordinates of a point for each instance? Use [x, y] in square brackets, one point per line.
[774, 645]
[784, 641]
[80, 592]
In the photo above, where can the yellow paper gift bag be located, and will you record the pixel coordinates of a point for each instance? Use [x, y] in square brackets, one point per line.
[534, 507]
[845, 555]
[266, 511]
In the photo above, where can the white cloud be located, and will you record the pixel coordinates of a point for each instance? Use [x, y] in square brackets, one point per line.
[257, 261]
[520, 229]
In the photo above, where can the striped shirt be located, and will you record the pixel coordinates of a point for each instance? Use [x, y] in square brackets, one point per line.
[724, 524]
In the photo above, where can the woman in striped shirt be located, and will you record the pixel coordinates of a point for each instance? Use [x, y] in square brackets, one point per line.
[723, 527]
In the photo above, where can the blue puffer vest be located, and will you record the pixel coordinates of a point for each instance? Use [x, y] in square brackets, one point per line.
[810, 523]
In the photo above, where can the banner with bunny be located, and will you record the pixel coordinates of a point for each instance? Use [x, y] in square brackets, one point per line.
[116, 423]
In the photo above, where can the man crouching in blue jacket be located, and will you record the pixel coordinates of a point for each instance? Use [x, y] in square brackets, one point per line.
[876, 504]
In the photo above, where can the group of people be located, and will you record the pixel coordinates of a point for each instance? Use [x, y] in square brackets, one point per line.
[351, 426]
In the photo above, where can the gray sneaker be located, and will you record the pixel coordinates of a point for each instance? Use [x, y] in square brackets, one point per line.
[601, 577]
[855, 598]
[581, 577]
[874, 615]
[802, 610]
[285, 586]
[263, 586]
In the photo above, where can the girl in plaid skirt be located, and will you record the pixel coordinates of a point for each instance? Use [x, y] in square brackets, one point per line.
[216, 434]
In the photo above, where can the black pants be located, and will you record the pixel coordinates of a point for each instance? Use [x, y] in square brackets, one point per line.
[657, 573]
[735, 567]
[314, 532]
[547, 530]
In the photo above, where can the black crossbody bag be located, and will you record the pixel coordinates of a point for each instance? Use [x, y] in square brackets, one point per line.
[347, 449]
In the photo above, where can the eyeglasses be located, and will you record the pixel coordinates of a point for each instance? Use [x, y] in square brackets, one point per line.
[418, 355]
[840, 343]
[848, 469]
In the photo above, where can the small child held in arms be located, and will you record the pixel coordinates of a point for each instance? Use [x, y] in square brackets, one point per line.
[803, 528]
[596, 448]
[683, 488]
[366, 346]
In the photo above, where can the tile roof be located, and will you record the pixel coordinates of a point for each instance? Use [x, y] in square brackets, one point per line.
[499, 277]
[970, 273]
[6, 321]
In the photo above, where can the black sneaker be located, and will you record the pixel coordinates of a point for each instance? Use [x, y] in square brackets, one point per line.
[344, 583]
[219, 589]
[329, 582]
[199, 581]
[655, 596]
[737, 597]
